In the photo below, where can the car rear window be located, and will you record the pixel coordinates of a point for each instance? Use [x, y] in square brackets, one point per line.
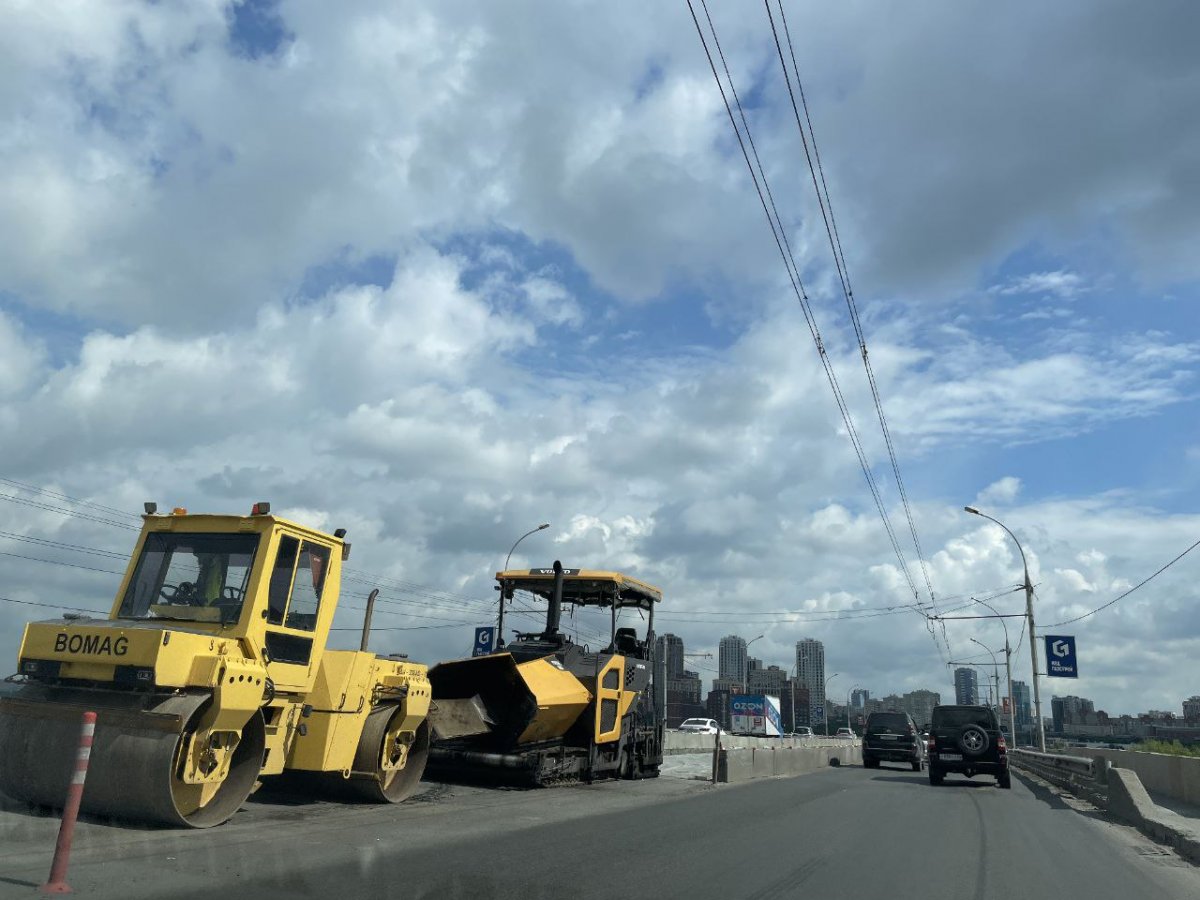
[892, 721]
[953, 717]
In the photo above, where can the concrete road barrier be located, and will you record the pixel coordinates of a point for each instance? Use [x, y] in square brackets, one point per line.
[737, 765]
[682, 742]
[1128, 801]
[1177, 777]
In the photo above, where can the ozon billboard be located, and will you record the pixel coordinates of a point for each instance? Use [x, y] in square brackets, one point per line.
[755, 714]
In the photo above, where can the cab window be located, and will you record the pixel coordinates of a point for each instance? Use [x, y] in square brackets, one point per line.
[308, 587]
[281, 579]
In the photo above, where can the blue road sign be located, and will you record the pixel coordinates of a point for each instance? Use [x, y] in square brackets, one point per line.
[1061, 661]
[818, 711]
[485, 636]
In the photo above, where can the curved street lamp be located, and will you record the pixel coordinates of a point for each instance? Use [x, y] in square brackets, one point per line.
[746, 679]
[825, 700]
[995, 667]
[500, 619]
[1037, 694]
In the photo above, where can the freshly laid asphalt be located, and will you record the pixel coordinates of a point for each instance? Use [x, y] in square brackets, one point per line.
[841, 832]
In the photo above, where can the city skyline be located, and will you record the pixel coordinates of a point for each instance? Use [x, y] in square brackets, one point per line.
[731, 648]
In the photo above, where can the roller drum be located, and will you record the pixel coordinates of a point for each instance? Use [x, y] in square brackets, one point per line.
[135, 754]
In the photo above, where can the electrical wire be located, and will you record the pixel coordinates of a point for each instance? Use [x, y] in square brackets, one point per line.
[50, 605]
[825, 203]
[76, 500]
[781, 614]
[58, 562]
[779, 234]
[25, 501]
[1141, 583]
[45, 542]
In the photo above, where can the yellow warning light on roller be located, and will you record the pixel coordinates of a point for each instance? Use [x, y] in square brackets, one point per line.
[179, 511]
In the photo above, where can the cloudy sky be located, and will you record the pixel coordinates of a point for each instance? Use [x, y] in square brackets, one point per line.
[439, 272]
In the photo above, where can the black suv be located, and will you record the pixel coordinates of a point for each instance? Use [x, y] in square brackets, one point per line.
[893, 737]
[967, 740]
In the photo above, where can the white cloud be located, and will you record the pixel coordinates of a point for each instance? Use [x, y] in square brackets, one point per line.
[1058, 284]
[1003, 491]
[171, 201]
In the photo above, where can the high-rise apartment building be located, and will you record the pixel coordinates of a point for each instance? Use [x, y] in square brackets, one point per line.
[1191, 709]
[859, 698]
[731, 658]
[1071, 710]
[920, 704]
[810, 672]
[683, 698]
[770, 681]
[669, 648]
[1022, 707]
[966, 686]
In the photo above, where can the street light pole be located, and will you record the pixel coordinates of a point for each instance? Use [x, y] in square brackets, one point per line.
[825, 700]
[1012, 701]
[500, 619]
[795, 678]
[848, 695]
[995, 668]
[1033, 657]
[746, 674]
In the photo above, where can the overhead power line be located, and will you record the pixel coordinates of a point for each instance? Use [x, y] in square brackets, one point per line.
[1141, 583]
[51, 605]
[67, 497]
[59, 562]
[779, 234]
[76, 514]
[825, 202]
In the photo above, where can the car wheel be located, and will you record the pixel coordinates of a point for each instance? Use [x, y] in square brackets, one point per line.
[936, 776]
[916, 766]
[1005, 781]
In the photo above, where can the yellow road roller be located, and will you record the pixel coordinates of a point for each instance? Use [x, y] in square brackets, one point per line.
[545, 710]
[210, 673]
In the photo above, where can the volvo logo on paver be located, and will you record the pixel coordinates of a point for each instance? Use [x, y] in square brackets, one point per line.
[1060, 656]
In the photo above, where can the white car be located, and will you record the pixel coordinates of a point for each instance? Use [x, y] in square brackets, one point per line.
[803, 732]
[846, 734]
[700, 726]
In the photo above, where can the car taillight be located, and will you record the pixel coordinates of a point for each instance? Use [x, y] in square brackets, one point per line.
[1001, 746]
[931, 744]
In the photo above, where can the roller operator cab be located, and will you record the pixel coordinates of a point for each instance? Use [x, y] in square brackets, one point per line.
[545, 710]
[210, 673]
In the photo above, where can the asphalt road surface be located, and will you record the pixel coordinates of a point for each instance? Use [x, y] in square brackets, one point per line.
[841, 832]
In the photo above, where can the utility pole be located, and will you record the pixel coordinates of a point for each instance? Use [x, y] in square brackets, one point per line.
[1033, 655]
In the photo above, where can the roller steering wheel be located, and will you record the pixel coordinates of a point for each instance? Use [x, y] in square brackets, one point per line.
[183, 593]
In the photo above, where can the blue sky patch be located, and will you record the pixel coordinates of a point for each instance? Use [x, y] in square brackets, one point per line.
[256, 29]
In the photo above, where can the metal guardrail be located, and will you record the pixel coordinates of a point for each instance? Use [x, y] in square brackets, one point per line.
[1083, 766]
[1078, 774]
